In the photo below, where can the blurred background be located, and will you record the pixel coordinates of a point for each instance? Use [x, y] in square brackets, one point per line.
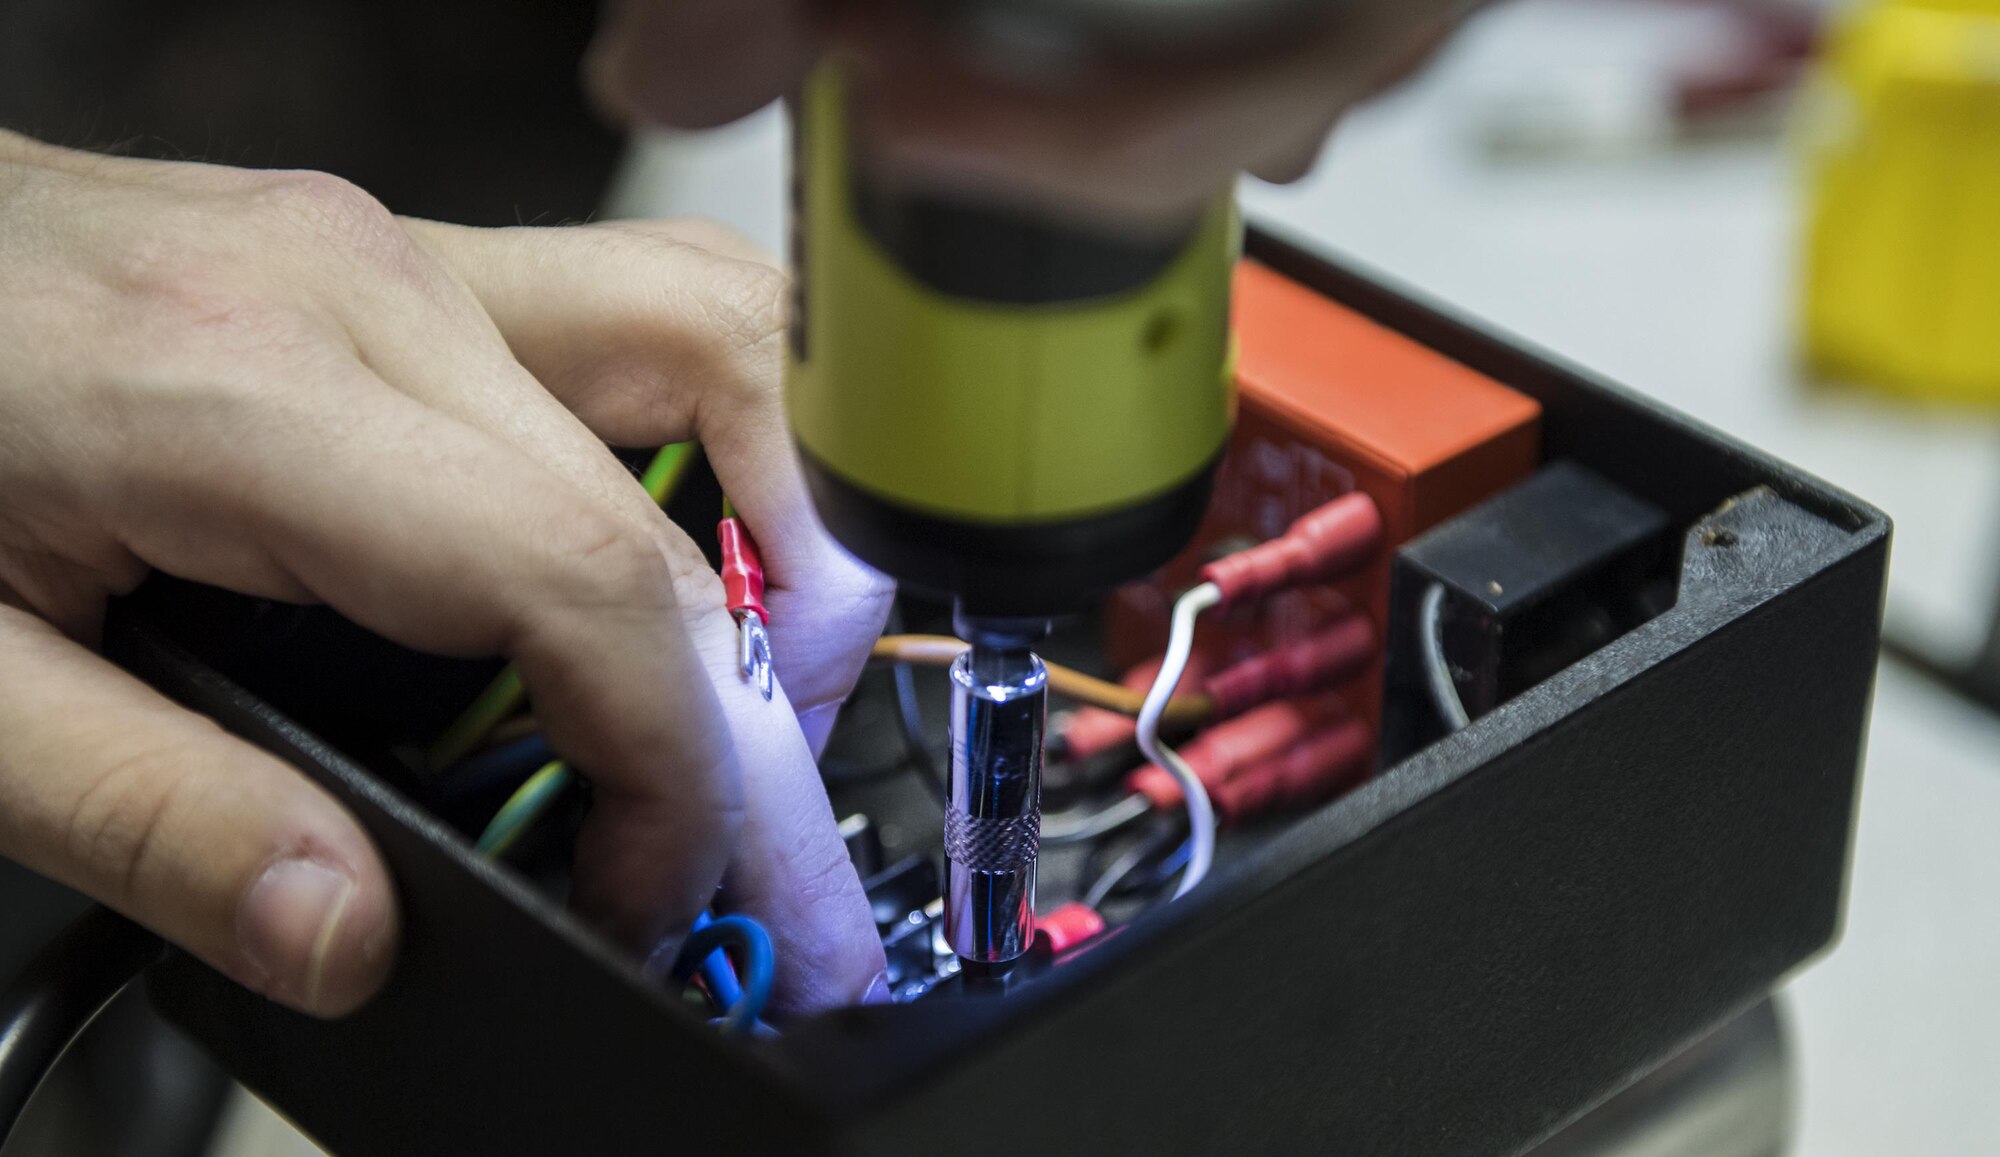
[1780, 216]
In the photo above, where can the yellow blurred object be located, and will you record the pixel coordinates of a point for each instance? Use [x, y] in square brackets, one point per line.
[1902, 279]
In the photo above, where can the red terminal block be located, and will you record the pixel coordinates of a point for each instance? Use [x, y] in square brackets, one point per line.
[1313, 770]
[1328, 658]
[1322, 545]
[742, 571]
[1069, 926]
[1091, 731]
[1223, 751]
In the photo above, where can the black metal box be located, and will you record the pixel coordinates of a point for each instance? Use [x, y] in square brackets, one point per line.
[1492, 936]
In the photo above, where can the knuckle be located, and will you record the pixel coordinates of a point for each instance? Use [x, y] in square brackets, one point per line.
[112, 829]
[751, 299]
[337, 211]
[621, 565]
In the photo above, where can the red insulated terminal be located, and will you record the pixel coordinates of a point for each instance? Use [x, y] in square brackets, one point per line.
[1324, 544]
[742, 570]
[1069, 926]
[1223, 751]
[1091, 731]
[1323, 660]
[1310, 771]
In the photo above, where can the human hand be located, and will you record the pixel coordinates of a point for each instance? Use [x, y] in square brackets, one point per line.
[1130, 139]
[265, 381]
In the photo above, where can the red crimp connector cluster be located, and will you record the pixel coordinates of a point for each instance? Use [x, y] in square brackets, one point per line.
[1322, 660]
[1323, 544]
[1309, 772]
[1069, 926]
[1222, 752]
[742, 571]
[1091, 731]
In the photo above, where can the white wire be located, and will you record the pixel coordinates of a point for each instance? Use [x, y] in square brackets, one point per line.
[1201, 814]
[1437, 671]
[1067, 829]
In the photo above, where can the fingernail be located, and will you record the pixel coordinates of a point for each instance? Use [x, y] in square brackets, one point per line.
[878, 990]
[288, 923]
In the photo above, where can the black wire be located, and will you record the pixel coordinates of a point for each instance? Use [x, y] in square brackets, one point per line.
[910, 715]
[54, 998]
[1118, 880]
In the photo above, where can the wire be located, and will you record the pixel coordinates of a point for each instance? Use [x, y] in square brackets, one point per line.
[910, 718]
[940, 650]
[1437, 670]
[1063, 828]
[663, 474]
[57, 995]
[1134, 859]
[494, 704]
[760, 964]
[500, 768]
[523, 808]
[1201, 814]
[505, 694]
[742, 1006]
[717, 973]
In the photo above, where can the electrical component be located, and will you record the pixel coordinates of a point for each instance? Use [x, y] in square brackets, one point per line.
[944, 650]
[524, 807]
[1319, 546]
[1506, 594]
[1220, 752]
[1331, 657]
[1068, 926]
[760, 964]
[1201, 817]
[1315, 769]
[1088, 732]
[743, 592]
[1069, 829]
[1331, 404]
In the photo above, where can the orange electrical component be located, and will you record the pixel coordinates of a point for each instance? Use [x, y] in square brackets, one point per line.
[1331, 402]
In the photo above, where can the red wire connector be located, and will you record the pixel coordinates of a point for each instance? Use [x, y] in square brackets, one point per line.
[1091, 731]
[1069, 926]
[1225, 750]
[1325, 659]
[1323, 544]
[743, 590]
[1309, 772]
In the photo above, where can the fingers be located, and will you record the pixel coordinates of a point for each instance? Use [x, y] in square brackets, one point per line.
[651, 338]
[565, 297]
[698, 63]
[792, 872]
[208, 841]
[442, 538]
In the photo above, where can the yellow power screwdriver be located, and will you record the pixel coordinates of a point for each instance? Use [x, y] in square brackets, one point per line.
[1008, 410]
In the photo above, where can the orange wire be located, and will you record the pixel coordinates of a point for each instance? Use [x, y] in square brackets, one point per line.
[940, 650]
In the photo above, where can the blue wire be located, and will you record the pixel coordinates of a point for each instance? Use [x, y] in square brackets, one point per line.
[717, 973]
[760, 962]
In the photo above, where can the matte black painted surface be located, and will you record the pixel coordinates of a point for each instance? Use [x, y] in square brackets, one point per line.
[1474, 948]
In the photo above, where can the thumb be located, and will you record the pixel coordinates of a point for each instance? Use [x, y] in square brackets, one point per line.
[155, 811]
